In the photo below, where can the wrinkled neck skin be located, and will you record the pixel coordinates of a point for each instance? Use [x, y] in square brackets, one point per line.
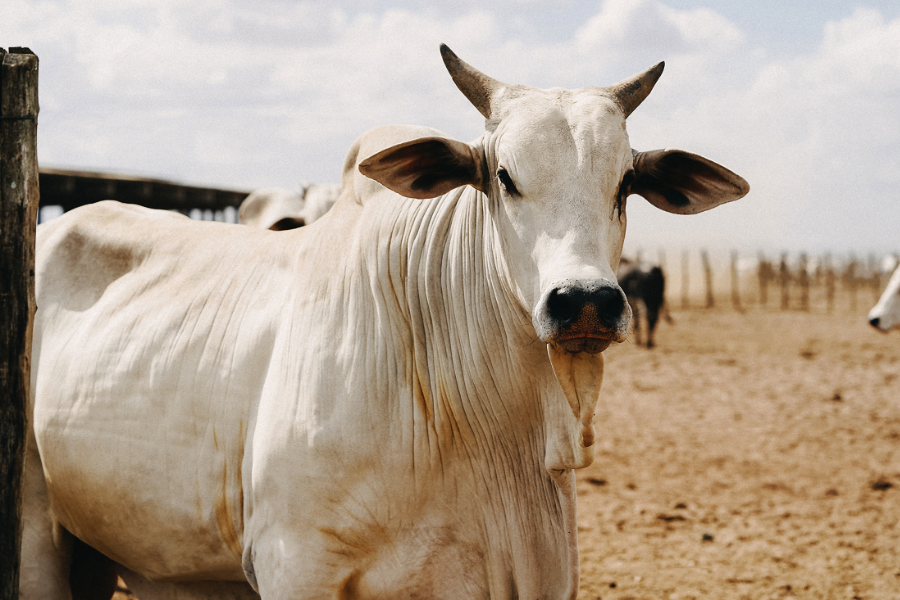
[485, 394]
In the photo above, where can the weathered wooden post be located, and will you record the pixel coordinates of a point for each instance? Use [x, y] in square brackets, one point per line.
[851, 281]
[830, 284]
[803, 281]
[784, 280]
[764, 274]
[735, 283]
[19, 198]
[708, 278]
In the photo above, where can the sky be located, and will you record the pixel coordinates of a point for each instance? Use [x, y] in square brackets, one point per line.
[801, 98]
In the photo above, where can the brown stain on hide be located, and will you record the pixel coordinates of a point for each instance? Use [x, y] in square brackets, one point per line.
[223, 516]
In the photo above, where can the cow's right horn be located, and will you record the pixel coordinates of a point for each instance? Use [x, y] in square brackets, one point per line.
[630, 92]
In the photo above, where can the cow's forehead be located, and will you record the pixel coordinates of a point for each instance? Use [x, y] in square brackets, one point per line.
[581, 130]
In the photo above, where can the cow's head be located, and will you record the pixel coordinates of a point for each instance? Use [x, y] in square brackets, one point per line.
[885, 315]
[276, 209]
[558, 165]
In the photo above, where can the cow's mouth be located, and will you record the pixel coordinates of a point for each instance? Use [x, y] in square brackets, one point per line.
[589, 344]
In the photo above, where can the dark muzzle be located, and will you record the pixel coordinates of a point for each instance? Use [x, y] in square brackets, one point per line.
[583, 315]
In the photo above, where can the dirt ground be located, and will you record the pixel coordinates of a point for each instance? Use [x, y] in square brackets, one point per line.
[748, 456]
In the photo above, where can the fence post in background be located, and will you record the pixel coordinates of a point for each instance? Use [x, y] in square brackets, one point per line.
[764, 274]
[803, 280]
[875, 277]
[685, 280]
[830, 280]
[735, 282]
[708, 278]
[19, 198]
[850, 281]
[784, 279]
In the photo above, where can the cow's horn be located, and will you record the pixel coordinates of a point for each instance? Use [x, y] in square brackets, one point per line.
[634, 90]
[477, 87]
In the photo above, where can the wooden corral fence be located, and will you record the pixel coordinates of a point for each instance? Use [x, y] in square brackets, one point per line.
[71, 189]
[19, 196]
[779, 282]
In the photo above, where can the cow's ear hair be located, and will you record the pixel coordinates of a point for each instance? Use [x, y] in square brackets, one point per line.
[426, 167]
[684, 183]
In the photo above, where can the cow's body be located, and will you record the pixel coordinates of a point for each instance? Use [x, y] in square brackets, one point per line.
[261, 388]
[361, 408]
[885, 315]
[645, 287]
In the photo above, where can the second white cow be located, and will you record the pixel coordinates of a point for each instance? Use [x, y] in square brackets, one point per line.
[885, 315]
[280, 209]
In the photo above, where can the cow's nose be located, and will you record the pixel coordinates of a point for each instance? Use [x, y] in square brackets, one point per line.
[589, 304]
[874, 322]
[583, 316]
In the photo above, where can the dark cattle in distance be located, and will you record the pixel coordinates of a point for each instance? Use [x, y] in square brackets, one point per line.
[645, 286]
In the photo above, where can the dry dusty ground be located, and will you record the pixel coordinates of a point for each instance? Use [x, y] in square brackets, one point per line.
[748, 456]
[751, 456]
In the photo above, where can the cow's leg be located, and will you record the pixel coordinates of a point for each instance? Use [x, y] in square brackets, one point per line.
[652, 319]
[46, 547]
[92, 576]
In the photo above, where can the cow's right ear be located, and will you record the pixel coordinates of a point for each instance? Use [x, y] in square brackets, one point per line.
[426, 167]
[684, 183]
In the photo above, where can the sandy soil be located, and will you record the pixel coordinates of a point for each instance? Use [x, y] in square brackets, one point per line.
[751, 456]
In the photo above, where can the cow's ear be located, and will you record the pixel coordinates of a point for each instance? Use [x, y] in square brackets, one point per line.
[683, 183]
[426, 167]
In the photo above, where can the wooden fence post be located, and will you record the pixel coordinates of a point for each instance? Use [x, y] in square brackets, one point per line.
[764, 274]
[19, 198]
[830, 283]
[784, 280]
[708, 278]
[803, 280]
[735, 283]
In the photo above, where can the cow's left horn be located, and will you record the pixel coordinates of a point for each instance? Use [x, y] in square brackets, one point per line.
[477, 87]
[634, 90]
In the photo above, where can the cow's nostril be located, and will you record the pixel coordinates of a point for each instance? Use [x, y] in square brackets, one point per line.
[562, 306]
[874, 321]
[610, 303]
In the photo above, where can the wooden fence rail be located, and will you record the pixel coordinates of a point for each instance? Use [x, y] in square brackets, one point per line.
[19, 198]
[71, 189]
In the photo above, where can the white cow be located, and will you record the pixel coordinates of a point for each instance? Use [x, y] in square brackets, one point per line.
[386, 404]
[279, 209]
[885, 315]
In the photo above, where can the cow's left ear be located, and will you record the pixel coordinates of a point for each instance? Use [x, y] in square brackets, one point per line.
[426, 167]
[683, 183]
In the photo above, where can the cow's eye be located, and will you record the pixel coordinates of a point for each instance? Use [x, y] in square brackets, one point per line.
[624, 191]
[507, 182]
